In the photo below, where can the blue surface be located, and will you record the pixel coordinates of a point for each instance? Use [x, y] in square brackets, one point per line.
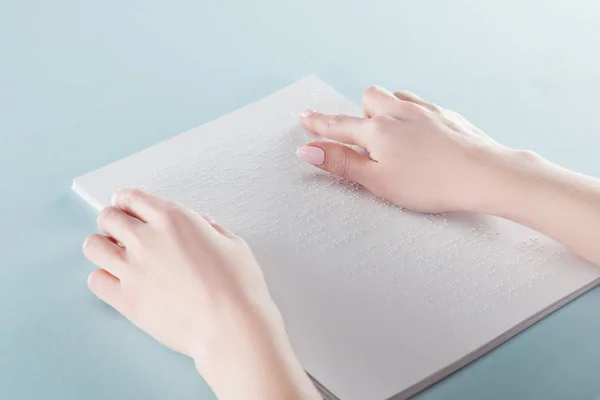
[83, 83]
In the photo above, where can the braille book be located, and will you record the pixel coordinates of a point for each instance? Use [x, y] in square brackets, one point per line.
[379, 302]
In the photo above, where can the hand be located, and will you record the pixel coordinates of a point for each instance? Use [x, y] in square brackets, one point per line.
[176, 274]
[420, 156]
[429, 159]
[195, 287]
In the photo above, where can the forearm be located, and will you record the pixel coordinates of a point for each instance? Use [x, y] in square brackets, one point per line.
[561, 204]
[255, 361]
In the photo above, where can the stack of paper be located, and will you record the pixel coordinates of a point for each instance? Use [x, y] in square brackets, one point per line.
[379, 302]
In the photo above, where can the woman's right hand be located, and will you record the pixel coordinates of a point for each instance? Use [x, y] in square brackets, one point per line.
[430, 159]
[420, 156]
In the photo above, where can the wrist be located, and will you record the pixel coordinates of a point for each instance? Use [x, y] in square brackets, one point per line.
[561, 204]
[251, 357]
[509, 181]
[236, 330]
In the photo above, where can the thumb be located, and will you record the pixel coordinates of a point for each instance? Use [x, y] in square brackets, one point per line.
[338, 159]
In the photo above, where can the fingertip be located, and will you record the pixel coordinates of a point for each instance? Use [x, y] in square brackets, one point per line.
[309, 121]
[85, 243]
[90, 242]
[311, 154]
[90, 279]
[377, 101]
[105, 286]
[306, 112]
[208, 218]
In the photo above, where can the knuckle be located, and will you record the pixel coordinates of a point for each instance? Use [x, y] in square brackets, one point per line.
[368, 97]
[343, 166]
[133, 197]
[414, 110]
[129, 196]
[435, 108]
[335, 161]
[401, 93]
[107, 214]
[333, 122]
[453, 115]
[136, 194]
[169, 214]
[371, 90]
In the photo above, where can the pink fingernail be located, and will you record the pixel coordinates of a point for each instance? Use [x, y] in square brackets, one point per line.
[311, 154]
[208, 218]
[306, 112]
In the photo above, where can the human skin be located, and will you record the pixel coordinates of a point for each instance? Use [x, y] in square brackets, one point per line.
[196, 287]
[430, 159]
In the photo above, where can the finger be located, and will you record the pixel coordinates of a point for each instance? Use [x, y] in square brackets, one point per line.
[338, 159]
[118, 225]
[105, 253]
[339, 127]
[208, 218]
[219, 228]
[222, 230]
[106, 287]
[413, 98]
[138, 203]
[379, 101]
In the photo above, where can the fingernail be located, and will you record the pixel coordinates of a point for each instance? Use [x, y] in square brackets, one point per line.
[305, 112]
[89, 280]
[113, 198]
[311, 154]
[364, 152]
[208, 218]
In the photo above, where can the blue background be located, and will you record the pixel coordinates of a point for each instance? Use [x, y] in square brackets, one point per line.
[83, 83]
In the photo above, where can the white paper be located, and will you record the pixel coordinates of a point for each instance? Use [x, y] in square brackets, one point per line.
[378, 301]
